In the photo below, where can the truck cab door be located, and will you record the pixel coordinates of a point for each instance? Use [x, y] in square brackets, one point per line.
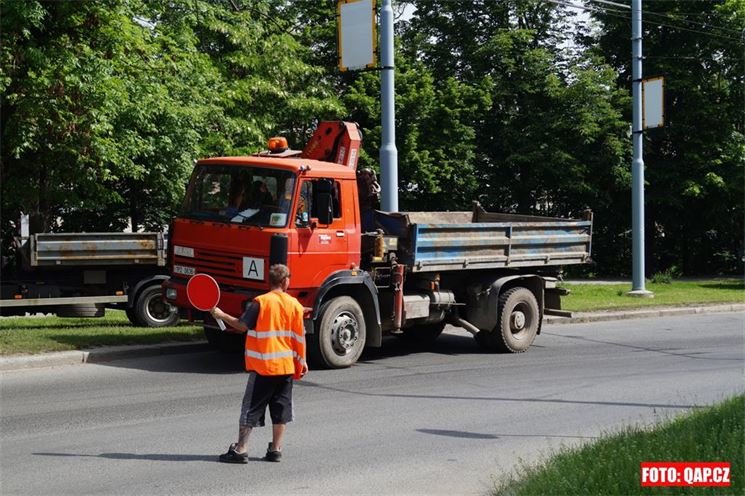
[323, 240]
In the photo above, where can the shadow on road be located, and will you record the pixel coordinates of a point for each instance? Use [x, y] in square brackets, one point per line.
[446, 344]
[696, 355]
[161, 457]
[558, 401]
[476, 435]
[212, 361]
[208, 361]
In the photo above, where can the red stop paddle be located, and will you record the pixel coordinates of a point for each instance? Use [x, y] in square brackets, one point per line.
[204, 294]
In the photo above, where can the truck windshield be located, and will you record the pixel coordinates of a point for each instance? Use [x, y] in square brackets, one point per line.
[240, 194]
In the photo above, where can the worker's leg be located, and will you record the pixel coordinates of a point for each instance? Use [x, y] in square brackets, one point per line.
[243, 433]
[254, 404]
[281, 410]
[278, 434]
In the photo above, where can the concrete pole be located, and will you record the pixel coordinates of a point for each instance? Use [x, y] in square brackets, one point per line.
[637, 165]
[388, 151]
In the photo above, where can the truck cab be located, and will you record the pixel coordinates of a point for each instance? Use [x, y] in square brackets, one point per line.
[243, 214]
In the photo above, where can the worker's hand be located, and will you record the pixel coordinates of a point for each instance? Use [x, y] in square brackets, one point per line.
[217, 314]
[304, 371]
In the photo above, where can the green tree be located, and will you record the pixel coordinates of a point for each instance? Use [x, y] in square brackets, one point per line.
[95, 125]
[435, 137]
[107, 104]
[551, 140]
[694, 165]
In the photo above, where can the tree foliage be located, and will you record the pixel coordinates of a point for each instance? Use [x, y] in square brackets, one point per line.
[695, 201]
[106, 104]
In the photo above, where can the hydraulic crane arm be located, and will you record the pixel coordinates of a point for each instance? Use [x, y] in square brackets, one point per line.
[335, 141]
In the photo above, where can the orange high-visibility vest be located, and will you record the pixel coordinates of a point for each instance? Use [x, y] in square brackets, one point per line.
[277, 345]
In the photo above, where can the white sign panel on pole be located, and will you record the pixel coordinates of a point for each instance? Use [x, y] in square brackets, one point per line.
[356, 33]
[653, 102]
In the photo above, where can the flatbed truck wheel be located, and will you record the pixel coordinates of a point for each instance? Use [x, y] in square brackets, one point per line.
[151, 310]
[517, 323]
[339, 338]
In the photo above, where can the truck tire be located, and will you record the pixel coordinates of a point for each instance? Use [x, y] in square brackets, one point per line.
[517, 323]
[339, 338]
[422, 336]
[151, 310]
[81, 310]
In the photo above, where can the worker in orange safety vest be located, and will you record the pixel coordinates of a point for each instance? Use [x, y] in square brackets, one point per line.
[275, 357]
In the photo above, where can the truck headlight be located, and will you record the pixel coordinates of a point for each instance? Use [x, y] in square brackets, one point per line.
[171, 294]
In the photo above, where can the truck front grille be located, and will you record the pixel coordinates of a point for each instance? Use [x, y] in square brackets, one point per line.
[225, 267]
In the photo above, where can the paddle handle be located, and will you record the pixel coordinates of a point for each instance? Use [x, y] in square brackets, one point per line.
[221, 324]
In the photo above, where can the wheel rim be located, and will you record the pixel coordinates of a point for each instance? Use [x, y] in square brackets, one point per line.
[519, 321]
[344, 333]
[157, 309]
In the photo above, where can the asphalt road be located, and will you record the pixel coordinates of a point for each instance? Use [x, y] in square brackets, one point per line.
[447, 421]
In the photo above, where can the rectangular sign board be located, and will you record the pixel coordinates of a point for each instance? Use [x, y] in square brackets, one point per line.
[356, 33]
[653, 102]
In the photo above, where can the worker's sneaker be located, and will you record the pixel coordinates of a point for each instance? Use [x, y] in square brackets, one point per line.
[272, 455]
[232, 457]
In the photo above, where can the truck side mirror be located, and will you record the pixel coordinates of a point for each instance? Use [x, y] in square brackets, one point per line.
[303, 219]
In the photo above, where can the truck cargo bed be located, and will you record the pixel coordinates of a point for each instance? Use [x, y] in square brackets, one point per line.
[90, 249]
[441, 241]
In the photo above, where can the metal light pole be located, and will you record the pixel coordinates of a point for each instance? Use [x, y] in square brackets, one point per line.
[743, 81]
[388, 151]
[637, 166]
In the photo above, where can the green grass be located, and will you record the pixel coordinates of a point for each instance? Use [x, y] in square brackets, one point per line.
[611, 465]
[595, 297]
[43, 334]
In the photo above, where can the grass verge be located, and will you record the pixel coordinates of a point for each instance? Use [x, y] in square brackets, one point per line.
[595, 297]
[611, 466]
[31, 335]
[44, 334]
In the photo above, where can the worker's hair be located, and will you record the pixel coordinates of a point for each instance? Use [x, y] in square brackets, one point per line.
[277, 274]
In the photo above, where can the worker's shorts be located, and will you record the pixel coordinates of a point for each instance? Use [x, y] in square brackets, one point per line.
[262, 391]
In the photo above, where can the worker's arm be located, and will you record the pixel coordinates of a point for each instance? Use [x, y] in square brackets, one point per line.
[247, 320]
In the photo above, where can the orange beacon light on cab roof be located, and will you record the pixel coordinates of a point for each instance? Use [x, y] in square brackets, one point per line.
[277, 144]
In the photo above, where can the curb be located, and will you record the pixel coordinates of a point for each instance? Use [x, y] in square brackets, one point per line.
[98, 355]
[111, 353]
[583, 317]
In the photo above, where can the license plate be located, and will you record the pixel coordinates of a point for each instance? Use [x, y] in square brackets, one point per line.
[184, 271]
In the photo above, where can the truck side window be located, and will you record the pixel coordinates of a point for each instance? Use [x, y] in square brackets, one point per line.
[307, 192]
[305, 202]
[336, 192]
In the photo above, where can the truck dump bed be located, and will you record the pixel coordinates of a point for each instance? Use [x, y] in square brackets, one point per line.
[441, 241]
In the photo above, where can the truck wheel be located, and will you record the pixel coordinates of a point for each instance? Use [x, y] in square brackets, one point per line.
[81, 310]
[151, 310]
[517, 323]
[422, 335]
[339, 339]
